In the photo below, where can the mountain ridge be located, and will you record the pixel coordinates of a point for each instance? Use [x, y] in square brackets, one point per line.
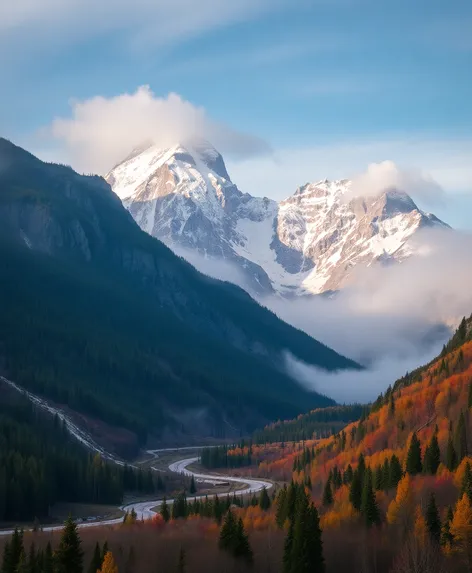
[104, 318]
[306, 244]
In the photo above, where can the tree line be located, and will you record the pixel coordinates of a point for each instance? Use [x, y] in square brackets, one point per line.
[225, 456]
[317, 423]
[41, 464]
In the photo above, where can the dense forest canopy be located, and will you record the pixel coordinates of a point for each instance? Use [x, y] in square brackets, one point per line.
[41, 464]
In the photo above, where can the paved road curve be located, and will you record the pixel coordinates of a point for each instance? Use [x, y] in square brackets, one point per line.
[144, 509]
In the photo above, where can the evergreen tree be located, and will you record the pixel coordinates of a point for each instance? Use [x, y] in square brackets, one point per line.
[179, 507]
[16, 547]
[22, 566]
[385, 478]
[295, 560]
[218, 509]
[242, 548]
[264, 500]
[7, 560]
[460, 439]
[413, 458]
[164, 510]
[303, 550]
[447, 538]
[288, 548]
[432, 456]
[377, 478]
[433, 521]
[361, 468]
[281, 507]
[355, 491]
[391, 406]
[396, 472]
[68, 557]
[451, 457]
[228, 532]
[292, 496]
[347, 478]
[48, 561]
[369, 507]
[466, 486]
[96, 561]
[33, 559]
[327, 494]
[193, 487]
[315, 559]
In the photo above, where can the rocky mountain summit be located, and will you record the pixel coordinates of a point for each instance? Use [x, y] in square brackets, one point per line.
[307, 244]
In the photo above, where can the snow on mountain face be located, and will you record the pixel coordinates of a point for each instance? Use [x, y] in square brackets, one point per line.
[185, 197]
[306, 244]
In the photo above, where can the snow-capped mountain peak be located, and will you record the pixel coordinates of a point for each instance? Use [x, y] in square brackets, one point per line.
[308, 243]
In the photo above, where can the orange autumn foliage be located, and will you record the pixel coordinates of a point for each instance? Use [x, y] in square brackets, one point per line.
[427, 403]
[402, 504]
[109, 565]
[461, 526]
[460, 472]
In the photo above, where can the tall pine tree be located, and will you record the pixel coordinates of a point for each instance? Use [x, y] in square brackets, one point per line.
[460, 439]
[433, 521]
[432, 456]
[68, 557]
[413, 458]
[355, 491]
[241, 548]
[96, 561]
[327, 493]
[164, 510]
[264, 500]
[227, 532]
[303, 549]
[396, 472]
[451, 457]
[369, 507]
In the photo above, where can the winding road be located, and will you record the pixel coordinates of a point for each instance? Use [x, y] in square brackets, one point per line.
[144, 509]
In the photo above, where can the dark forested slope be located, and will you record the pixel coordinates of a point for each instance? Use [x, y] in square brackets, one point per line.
[98, 315]
[40, 464]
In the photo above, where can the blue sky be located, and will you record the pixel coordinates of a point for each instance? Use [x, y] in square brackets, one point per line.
[329, 86]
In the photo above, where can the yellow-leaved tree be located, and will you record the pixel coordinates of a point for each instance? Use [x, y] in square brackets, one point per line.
[109, 565]
[461, 528]
[400, 510]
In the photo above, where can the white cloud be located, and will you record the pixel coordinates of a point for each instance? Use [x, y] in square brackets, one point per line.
[384, 176]
[102, 131]
[364, 386]
[392, 319]
[445, 160]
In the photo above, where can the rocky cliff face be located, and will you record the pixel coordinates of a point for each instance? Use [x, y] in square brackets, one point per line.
[306, 244]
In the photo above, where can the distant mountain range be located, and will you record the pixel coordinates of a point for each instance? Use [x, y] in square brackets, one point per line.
[99, 316]
[306, 244]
